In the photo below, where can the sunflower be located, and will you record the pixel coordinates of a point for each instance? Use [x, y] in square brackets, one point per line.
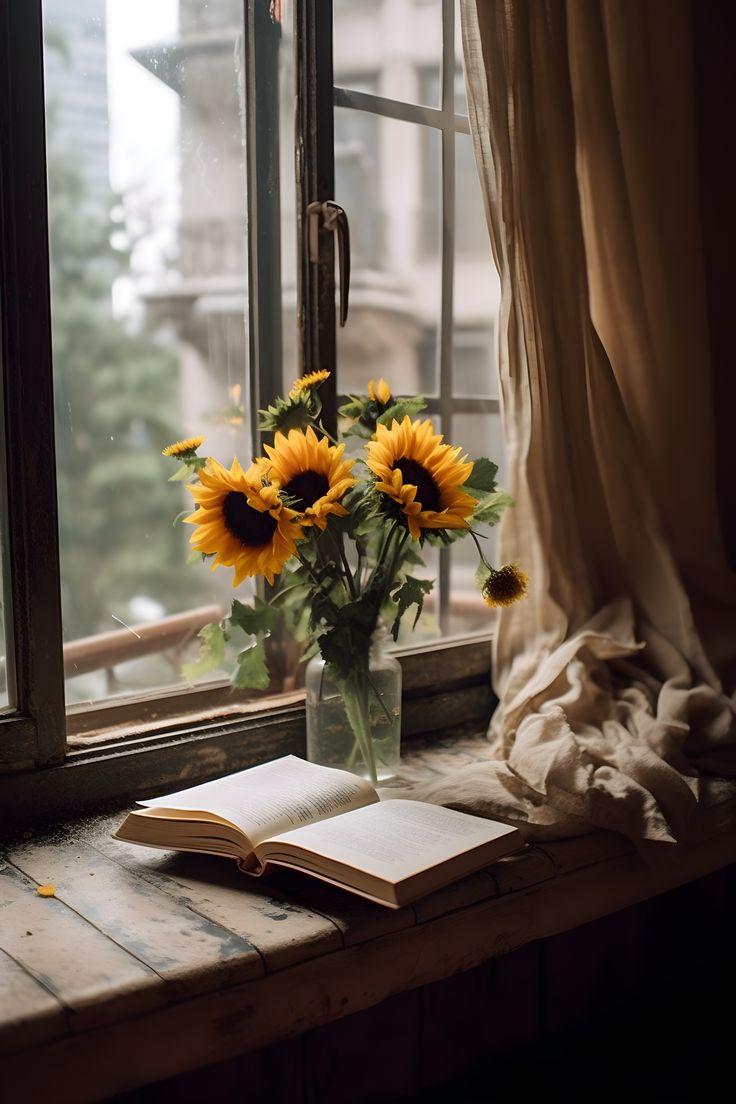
[379, 392]
[423, 475]
[504, 586]
[309, 471]
[305, 383]
[183, 448]
[243, 523]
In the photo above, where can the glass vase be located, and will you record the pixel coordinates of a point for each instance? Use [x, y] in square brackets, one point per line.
[354, 721]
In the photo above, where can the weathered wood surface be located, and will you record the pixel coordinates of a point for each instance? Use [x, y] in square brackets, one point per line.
[147, 964]
[283, 930]
[176, 943]
[245, 1017]
[93, 978]
[29, 1014]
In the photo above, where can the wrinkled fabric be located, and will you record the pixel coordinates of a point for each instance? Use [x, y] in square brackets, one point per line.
[616, 675]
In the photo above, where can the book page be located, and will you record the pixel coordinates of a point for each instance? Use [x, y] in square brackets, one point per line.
[394, 839]
[273, 797]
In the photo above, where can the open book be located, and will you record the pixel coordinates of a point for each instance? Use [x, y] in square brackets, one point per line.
[327, 823]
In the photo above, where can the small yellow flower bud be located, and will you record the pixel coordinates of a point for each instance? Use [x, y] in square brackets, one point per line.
[380, 391]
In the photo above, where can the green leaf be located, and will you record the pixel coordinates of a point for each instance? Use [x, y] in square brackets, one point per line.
[482, 479]
[358, 430]
[258, 618]
[409, 555]
[491, 506]
[211, 652]
[410, 593]
[352, 409]
[252, 672]
[181, 473]
[410, 405]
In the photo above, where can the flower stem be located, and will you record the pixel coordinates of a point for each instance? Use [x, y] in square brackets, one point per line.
[355, 698]
[350, 581]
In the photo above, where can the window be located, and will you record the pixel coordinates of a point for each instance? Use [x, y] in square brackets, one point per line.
[182, 299]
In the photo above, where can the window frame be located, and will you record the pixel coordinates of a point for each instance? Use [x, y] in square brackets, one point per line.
[38, 771]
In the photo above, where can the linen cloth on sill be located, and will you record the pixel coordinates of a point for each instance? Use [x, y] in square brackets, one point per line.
[616, 677]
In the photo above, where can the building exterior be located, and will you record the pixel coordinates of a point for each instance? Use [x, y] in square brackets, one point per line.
[75, 72]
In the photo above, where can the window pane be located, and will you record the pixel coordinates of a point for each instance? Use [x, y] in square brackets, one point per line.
[395, 230]
[396, 39]
[479, 435]
[148, 253]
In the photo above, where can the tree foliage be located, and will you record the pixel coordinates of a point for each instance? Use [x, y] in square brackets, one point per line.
[115, 390]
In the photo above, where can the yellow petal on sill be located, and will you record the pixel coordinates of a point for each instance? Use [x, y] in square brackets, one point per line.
[46, 890]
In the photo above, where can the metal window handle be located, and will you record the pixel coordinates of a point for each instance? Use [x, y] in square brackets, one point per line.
[331, 216]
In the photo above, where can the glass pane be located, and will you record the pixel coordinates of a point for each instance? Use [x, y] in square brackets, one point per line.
[392, 40]
[479, 435]
[148, 253]
[381, 179]
[477, 288]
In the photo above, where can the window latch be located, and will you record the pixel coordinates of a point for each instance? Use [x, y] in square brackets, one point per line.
[330, 216]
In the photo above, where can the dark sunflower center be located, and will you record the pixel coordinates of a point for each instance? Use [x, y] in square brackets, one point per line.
[306, 488]
[249, 526]
[427, 490]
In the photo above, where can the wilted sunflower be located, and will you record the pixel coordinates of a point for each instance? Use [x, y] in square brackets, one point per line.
[244, 524]
[312, 379]
[311, 472]
[422, 474]
[505, 585]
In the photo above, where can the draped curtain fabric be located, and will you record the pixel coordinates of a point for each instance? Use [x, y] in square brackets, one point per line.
[616, 675]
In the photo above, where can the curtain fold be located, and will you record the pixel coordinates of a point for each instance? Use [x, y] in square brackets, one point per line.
[616, 676]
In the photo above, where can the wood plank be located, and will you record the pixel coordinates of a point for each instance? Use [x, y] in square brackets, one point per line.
[459, 895]
[283, 931]
[357, 920]
[580, 967]
[455, 1028]
[29, 1014]
[187, 950]
[273, 1075]
[522, 870]
[216, 1026]
[595, 847]
[371, 1056]
[91, 976]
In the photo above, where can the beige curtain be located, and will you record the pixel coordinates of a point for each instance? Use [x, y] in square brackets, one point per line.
[615, 675]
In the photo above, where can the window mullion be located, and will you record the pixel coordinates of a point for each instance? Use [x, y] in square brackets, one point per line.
[262, 42]
[448, 271]
[35, 661]
[315, 146]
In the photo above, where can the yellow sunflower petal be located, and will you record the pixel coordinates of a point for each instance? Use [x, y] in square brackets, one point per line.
[182, 448]
[311, 472]
[311, 379]
[242, 523]
[422, 474]
[380, 391]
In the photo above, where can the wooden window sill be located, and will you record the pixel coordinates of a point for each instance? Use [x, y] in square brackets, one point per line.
[147, 964]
